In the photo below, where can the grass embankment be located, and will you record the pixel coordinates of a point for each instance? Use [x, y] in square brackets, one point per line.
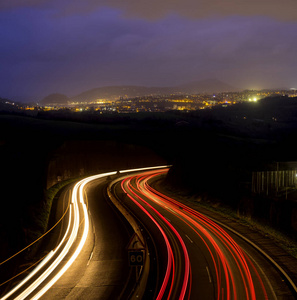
[283, 240]
[194, 201]
[40, 214]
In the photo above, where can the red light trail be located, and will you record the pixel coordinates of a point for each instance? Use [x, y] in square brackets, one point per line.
[233, 273]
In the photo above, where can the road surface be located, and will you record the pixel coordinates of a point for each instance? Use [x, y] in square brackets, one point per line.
[187, 255]
[197, 258]
[87, 258]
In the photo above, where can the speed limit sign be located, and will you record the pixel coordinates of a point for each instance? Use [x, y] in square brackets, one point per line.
[135, 258]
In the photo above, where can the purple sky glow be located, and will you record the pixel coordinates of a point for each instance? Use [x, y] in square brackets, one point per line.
[71, 46]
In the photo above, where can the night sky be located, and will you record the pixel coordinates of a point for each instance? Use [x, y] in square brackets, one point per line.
[69, 46]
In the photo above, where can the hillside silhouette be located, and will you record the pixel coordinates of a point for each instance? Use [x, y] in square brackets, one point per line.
[208, 86]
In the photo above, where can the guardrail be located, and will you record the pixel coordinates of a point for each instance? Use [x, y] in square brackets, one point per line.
[143, 276]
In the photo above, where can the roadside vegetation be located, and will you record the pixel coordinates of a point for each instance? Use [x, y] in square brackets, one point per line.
[286, 241]
[40, 214]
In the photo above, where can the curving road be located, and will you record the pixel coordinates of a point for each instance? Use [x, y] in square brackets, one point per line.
[187, 255]
[196, 258]
[54, 265]
[87, 258]
[101, 271]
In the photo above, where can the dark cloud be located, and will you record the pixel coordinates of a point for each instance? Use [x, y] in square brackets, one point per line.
[154, 9]
[45, 49]
[284, 10]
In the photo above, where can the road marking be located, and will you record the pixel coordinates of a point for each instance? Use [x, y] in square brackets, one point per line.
[269, 258]
[173, 211]
[208, 274]
[263, 273]
[189, 239]
[90, 258]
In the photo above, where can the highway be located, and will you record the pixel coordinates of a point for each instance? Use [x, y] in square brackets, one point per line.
[51, 268]
[186, 254]
[86, 256]
[196, 258]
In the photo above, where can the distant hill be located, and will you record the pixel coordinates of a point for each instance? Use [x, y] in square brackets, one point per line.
[55, 99]
[8, 105]
[116, 92]
[207, 86]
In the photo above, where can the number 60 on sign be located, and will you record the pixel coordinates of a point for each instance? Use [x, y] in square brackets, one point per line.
[135, 258]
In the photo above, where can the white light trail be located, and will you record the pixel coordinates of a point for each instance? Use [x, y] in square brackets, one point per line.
[143, 169]
[38, 267]
[42, 263]
[72, 228]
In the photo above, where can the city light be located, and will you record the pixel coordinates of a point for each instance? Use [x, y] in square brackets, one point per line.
[156, 103]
